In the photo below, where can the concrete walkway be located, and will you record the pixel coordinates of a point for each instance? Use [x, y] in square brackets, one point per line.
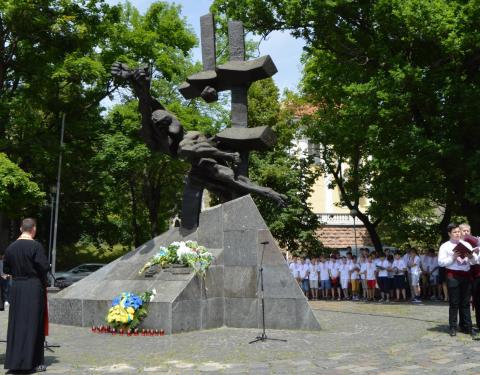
[356, 338]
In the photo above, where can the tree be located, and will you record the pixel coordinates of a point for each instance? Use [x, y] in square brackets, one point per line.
[55, 57]
[294, 226]
[401, 78]
[17, 192]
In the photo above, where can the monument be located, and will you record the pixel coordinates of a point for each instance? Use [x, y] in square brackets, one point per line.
[233, 231]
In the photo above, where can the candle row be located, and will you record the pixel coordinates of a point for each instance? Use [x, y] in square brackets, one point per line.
[128, 332]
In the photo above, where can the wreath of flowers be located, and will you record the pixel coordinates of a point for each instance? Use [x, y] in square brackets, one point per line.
[188, 253]
[129, 309]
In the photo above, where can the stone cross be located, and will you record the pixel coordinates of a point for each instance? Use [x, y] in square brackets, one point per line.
[236, 75]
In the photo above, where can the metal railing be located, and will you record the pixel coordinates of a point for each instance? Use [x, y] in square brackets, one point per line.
[337, 219]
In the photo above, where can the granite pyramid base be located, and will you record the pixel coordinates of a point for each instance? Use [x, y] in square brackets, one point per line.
[227, 296]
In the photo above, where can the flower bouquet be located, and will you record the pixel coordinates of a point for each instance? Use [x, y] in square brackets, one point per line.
[188, 253]
[129, 309]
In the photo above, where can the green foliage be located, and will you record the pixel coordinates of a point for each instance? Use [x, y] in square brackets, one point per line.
[55, 58]
[18, 192]
[397, 84]
[282, 170]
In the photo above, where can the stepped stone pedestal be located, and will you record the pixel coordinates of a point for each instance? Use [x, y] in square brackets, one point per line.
[227, 296]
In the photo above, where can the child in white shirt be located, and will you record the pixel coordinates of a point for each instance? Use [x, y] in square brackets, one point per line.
[363, 278]
[354, 278]
[370, 270]
[333, 271]
[399, 267]
[325, 284]
[344, 271]
[414, 272]
[313, 278]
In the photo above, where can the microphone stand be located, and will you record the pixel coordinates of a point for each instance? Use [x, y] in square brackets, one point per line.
[263, 336]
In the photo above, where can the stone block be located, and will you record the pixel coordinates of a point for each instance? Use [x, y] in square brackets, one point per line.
[277, 282]
[240, 282]
[241, 312]
[210, 230]
[186, 315]
[194, 290]
[213, 313]
[214, 282]
[272, 254]
[65, 311]
[240, 248]
[242, 214]
[94, 312]
[280, 313]
[304, 316]
[159, 317]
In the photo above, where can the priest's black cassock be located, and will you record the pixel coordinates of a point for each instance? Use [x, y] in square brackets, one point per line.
[25, 260]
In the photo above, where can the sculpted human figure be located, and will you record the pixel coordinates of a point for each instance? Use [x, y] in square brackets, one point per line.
[212, 167]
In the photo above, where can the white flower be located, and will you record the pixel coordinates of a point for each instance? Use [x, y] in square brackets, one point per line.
[176, 243]
[154, 291]
[183, 250]
[152, 297]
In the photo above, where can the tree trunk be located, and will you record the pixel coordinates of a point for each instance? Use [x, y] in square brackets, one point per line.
[446, 219]
[371, 229]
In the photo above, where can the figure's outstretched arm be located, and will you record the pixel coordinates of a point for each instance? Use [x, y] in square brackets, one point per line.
[139, 80]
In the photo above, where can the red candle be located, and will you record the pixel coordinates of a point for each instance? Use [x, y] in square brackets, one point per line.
[135, 332]
[162, 332]
[143, 331]
[156, 332]
[151, 332]
[121, 331]
[114, 332]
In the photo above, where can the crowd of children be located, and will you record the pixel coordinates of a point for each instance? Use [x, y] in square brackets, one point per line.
[372, 276]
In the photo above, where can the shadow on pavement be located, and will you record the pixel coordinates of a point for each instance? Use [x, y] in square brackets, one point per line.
[444, 328]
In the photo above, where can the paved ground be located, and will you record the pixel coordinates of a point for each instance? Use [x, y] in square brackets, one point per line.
[356, 338]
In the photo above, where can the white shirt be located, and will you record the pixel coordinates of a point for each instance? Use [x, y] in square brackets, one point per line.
[354, 268]
[384, 264]
[333, 268]
[313, 271]
[344, 270]
[424, 262]
[293, 269]
[323, 268]
[303, 271]
[370, 268]
[399, 264]
[433, 265]
[414, 263]
[446, 259]
[363, 268]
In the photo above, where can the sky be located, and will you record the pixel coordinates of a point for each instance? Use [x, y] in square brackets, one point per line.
[282, 47]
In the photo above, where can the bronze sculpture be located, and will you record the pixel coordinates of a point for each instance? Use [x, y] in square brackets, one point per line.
[219, 163]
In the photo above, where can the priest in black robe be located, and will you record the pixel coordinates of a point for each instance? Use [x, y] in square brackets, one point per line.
[26, 262]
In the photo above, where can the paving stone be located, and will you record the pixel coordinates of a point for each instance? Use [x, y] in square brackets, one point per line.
[356, 339]
[465, 366]
[155, 369]
[443, 361]
[362, 369]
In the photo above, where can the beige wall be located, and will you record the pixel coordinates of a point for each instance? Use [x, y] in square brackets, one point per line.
[324, 200]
